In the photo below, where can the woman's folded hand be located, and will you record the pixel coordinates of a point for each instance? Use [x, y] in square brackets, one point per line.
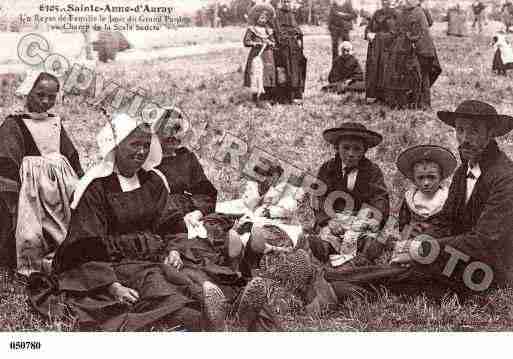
[123, 294]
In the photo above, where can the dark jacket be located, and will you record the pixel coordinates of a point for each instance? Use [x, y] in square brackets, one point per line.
[369, 188]
[345, 67]
[482, 228]
[340, 18]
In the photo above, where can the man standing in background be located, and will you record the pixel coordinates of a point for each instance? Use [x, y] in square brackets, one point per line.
[340, 22]
[478, 10]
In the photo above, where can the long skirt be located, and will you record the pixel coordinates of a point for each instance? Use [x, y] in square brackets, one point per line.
[377, 56]
[164, 294]
[498, 65]
[292, 63]
[264, 76]
[43, 215]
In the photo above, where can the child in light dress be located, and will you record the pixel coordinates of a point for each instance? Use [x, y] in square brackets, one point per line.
[426, 166]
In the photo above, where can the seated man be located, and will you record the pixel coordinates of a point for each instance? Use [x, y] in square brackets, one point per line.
[346, 74]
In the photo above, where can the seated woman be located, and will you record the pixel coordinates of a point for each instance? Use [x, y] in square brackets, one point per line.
[356, 204]
[39, 167]
[111, 268]
[205, 250]
[346, 74]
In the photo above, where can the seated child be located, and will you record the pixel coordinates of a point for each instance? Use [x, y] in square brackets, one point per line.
[503, 58]
[346, 74]
[269, 222]
[348, 236]
[426, 166]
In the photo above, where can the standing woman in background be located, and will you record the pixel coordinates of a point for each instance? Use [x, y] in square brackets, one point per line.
[380, 39]
[289, 58]
[39, 166]
[413, 66]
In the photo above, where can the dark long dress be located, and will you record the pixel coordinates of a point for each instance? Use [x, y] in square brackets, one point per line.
[413, 66]
[16, 143]
[382, 24]
[498, 66]
[114, 237]
[289, 56]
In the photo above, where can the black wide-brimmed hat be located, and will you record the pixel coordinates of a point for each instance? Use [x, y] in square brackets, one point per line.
[352, 129]
[473, 109]
[440, 155]
[256, 10]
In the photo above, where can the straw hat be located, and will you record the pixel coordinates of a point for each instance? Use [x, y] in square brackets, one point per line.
[440, 155]
[256, 11]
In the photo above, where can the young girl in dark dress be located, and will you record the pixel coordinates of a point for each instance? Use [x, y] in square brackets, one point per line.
[260, 73]
[39, 167]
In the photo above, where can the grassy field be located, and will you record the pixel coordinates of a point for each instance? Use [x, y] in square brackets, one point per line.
[208, 88]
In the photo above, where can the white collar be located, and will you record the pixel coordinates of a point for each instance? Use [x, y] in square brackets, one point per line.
[128, 184]
[475, 170]
[438, 201]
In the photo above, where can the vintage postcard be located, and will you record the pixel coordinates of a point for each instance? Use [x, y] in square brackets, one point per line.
[240, 166]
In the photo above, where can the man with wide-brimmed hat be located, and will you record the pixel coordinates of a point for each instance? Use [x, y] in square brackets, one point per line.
[353, 182]
[478, 212]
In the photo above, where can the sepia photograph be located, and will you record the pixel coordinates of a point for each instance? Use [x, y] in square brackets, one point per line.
[255, 166]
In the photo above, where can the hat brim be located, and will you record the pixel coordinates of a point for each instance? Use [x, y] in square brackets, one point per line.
[333, 136]
[440, 155]
[256, 10]
[502, 125]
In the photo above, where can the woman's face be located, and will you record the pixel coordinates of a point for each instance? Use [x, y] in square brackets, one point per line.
[42, 97]
[285, 4]
[168, 135]
[351, 151]
[133, 151]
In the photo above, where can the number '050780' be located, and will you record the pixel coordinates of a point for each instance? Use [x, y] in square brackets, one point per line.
[25, 345]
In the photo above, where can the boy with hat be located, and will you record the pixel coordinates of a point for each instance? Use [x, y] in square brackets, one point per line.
[354, 184]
